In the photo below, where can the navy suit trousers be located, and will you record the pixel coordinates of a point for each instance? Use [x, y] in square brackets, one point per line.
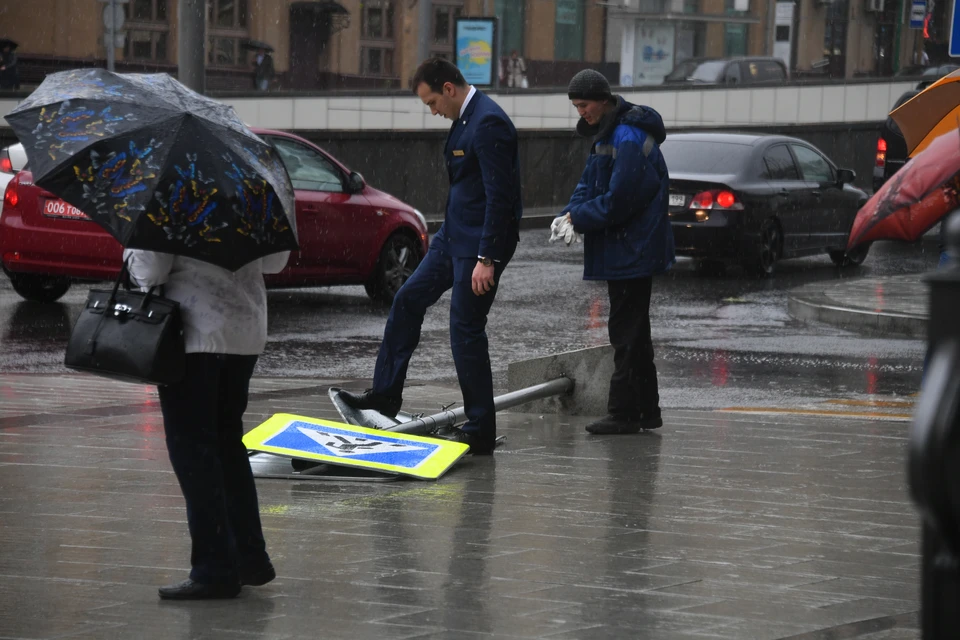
[203, 421]
[438, 273]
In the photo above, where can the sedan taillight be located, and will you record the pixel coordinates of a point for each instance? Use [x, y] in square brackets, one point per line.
[716, 199]
[10, 197]
[881, 153]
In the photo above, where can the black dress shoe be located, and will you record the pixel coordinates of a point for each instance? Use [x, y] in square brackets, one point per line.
[257, 576]
[477, 446]
[190, 590]
[621, 425]
[386, 405]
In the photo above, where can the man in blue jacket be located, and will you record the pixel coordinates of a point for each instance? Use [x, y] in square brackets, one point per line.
[620, 207]
[468, 254]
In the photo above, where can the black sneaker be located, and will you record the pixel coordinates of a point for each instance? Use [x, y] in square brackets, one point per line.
[621, 425]
[386, 405]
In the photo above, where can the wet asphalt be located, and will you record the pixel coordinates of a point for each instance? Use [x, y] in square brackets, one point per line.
[722, 338]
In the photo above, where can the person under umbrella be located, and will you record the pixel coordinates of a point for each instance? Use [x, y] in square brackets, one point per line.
[9, 70]
[225, 330]
[204, 209]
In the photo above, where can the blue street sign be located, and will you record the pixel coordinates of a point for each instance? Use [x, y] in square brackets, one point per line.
[331, 441]
[347, 445]
[955, 31]
[918, 11]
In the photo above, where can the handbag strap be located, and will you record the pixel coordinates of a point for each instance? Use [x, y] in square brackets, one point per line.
[111, 302]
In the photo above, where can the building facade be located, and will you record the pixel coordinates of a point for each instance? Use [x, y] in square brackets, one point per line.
[815, 38]
[317, 45]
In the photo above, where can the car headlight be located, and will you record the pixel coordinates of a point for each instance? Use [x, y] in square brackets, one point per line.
[420, 217]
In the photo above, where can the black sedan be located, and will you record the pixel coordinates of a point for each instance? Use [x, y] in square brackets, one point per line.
[754, 199]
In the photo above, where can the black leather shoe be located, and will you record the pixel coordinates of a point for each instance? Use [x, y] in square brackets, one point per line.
[386, 405]
[257, 576]
[621, 425]
[190, 590]
[453, 434]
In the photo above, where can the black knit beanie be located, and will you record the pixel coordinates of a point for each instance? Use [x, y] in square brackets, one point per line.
[589, 85]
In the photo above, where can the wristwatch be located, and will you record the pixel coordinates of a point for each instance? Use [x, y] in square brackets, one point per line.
[487, 262]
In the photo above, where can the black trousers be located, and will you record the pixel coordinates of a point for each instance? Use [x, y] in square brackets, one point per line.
[203, 421]
[633, 387]
[438, 273]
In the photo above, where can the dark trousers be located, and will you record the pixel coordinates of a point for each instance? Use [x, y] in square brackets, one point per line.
[438, 273]
[633, 387]
[203, 421]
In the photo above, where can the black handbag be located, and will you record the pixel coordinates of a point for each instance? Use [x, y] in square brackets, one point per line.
[128, 335]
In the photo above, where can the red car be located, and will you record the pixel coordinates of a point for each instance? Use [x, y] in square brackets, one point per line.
[349, 232]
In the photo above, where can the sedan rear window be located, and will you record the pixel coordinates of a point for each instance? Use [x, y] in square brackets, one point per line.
[709, 71]
[699, 156]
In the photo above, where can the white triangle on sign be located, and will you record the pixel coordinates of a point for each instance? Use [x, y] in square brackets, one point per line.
[346, 445]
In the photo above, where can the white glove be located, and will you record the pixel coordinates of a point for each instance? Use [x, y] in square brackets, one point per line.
[562, 229]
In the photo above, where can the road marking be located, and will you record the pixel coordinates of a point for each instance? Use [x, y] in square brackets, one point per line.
[889, 404]
[821, 412]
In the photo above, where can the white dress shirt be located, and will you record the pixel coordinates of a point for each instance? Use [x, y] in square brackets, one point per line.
[463, 107]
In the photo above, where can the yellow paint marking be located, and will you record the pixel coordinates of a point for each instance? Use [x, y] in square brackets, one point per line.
[820, 412]
[889, 404]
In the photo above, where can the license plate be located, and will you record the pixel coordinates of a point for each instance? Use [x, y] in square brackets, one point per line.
[56, 208]
[677, 199]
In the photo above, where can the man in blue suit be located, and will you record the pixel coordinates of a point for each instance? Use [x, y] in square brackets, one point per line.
[468, 254]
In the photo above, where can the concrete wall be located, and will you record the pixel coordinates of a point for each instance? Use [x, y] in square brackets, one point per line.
[551, 160]
[376, 134]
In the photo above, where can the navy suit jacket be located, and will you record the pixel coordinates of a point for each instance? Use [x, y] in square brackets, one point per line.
[483, 162]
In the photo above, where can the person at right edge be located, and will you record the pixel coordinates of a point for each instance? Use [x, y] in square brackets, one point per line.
[620, 208]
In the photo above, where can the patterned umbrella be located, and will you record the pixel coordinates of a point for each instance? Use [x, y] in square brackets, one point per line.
[158, 166]
[915, 198]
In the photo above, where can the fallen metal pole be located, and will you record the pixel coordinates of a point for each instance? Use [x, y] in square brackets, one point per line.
[427, 424]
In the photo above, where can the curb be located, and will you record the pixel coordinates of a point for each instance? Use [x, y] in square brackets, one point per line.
[809, 303]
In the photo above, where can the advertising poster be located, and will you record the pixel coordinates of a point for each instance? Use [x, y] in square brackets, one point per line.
[475, 53]
[653, 53]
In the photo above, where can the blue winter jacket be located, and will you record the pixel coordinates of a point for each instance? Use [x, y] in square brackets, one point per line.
[620, 204]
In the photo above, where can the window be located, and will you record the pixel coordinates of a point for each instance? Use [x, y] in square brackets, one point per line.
[813, 166]
[145, 45]
[375, 61]
[377, 42]
[568, 36]
[444, 17]
[734, 40]
[731, 74]
[308, 169]
[226, 30]
[702, 156]
[377, 20]
[779, 164]
[770, 71]
[227, 14]
[510, 22]
[148, 30]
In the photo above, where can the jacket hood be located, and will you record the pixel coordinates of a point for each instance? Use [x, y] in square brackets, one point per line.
[633, 115]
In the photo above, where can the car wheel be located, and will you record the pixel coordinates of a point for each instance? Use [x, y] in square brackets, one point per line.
[398, 260]
[852, 258]
[39, 288]
[770, 249]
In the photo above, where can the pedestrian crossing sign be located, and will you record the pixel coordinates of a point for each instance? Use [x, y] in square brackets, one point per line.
[331, 442]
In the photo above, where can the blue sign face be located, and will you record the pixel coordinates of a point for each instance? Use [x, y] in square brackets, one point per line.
[331, 441]
[955, 31]
[475, 53]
